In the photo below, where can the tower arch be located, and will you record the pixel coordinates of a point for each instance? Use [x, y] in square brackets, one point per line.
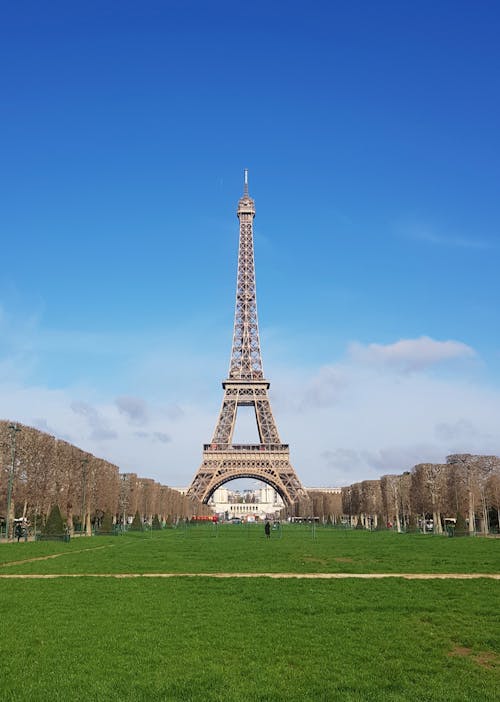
[250, 476]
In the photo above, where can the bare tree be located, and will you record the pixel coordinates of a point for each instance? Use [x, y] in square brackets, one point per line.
[391, 499]
[465, 484]
[371, 502]
[428, 490]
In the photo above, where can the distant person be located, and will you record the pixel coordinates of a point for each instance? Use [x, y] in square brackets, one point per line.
[19, 531]
[267, 529]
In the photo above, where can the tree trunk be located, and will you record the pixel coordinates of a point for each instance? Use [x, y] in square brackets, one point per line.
[486, 529]
[472, 525]
[69, 519]
[88, 524]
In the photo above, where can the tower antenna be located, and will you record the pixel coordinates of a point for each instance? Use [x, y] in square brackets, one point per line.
[245, 187]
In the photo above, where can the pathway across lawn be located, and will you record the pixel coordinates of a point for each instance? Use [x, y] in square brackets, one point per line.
[277, 576]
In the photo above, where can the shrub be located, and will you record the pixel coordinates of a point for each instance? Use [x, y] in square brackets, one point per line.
[156, 522]
[461, 526]
[54, 526]
[106, 524]
[412, 527]
[136, 522]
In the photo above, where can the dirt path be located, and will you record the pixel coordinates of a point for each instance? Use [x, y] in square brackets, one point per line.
[53, 555]
[298, 576]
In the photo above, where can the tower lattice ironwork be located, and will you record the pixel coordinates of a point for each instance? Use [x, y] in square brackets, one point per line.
[269, 460]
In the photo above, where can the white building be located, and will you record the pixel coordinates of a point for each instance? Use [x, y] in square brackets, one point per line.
[247, 505]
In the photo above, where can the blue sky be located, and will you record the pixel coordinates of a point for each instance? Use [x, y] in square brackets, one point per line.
[371, 132]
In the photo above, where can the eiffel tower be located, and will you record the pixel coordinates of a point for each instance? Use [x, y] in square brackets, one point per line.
[268, 461]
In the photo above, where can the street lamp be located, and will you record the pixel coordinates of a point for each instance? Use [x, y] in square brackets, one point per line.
[13, 431]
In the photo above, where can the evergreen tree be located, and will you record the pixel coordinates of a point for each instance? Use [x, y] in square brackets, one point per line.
[412, 527]
[54, 526]
[106, 524]
[461, 526]
[136, 523]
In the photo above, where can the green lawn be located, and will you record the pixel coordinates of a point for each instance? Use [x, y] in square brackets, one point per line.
[205, 549]
[205, 639]
[234, 640]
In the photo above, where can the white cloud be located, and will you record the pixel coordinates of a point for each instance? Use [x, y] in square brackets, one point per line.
[411, 354]
[98, 424]
[326, 387]
[161, 436]
[134, 408]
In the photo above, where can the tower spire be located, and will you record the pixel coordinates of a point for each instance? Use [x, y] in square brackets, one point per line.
[246, 362]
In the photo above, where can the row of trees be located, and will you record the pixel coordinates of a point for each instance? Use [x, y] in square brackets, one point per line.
[325, 505]
[466, 487]
[38, 471]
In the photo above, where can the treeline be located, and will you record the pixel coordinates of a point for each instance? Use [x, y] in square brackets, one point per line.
[325, 505]
[466, 488]
[39, 471]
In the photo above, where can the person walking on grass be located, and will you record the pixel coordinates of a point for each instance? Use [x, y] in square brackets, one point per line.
[267, 529]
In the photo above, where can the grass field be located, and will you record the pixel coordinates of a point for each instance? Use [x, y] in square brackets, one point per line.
[205, 549]
[229, 639]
